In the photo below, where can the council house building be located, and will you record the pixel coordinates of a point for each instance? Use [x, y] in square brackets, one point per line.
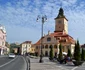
[59, 36]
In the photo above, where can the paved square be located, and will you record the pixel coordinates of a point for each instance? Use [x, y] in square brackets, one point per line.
[48, 65]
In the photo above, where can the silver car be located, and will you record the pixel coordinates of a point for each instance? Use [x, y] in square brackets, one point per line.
[11, 55]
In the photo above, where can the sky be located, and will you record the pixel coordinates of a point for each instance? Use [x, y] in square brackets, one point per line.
[19, 18]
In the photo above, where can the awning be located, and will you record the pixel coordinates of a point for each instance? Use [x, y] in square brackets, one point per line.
[64, 53]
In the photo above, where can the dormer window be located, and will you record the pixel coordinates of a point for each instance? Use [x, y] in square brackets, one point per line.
[63, 40]
[48, 39]
[58, 38]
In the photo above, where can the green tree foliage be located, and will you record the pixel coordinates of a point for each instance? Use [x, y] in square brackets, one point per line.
[83, 55]
[69, 53]
[13, 45]
[60, 56]
[51, 53]
[77, 55]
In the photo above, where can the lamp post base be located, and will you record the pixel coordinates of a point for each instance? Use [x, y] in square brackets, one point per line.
[40, 61]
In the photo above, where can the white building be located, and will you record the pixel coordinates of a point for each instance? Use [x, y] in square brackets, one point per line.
[3, 48]
[25, 47]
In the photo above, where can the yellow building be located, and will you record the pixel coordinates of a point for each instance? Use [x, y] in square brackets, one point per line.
[60, 35]
[32, 50]
[25, 47]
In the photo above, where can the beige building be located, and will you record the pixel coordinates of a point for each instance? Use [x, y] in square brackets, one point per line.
[25, 47]
[32, 49]
[60, 35]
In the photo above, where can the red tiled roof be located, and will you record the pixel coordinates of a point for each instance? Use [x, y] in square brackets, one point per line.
[38, 42]
[83, 46]
[62, 35]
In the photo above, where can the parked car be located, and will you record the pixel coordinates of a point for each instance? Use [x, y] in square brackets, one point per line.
[11, 55]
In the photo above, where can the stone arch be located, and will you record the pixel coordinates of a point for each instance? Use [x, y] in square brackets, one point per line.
[51, 46]
[46, 53]
[55, 46]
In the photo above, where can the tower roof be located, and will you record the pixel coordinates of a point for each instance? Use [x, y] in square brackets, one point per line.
[61, 14]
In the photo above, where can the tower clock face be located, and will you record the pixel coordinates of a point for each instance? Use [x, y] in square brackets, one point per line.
[59, 21]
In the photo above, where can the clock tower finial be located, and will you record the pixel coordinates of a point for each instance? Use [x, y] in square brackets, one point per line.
[61, 14]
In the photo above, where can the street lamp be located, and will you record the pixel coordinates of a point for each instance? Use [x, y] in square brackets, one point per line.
[43, 19]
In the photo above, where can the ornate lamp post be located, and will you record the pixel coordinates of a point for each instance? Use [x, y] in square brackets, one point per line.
[43, 19]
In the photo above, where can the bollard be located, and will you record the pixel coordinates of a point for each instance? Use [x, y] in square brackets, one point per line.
[29, 64]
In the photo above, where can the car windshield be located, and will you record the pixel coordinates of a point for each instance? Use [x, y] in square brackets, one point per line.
[11, 54]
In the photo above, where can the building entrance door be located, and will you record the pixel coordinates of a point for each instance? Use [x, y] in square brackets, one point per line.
[46, 53]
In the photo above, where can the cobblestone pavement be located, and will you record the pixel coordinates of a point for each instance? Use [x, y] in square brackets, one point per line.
[48, 65]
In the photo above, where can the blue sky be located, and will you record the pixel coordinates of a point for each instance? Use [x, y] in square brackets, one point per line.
[19, 18]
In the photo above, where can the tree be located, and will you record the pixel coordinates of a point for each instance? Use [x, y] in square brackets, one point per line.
[60, 56]
[69, 53]
[77, 55]
[51, 53]
[12, 46]
[83, 55]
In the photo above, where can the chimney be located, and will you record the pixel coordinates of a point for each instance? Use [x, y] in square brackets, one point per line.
[49, 32]
[44, 35]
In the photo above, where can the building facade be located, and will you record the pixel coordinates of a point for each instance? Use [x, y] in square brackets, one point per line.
[26, 47]
[32, 52]
[3, 48]
[59, 36]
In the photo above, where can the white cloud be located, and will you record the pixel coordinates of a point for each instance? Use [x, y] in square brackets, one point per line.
[24, 13]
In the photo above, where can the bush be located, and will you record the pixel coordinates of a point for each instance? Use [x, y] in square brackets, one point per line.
[69, 53]
[60, 56]
[83, 55]
[51, 53]
[77, 55]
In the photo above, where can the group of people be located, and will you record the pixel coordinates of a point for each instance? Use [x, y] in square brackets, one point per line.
[65, 59]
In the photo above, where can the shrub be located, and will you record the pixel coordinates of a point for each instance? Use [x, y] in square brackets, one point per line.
[60, 56]
[69, 53]
[83, 55]
[51, 53]
[77, 55]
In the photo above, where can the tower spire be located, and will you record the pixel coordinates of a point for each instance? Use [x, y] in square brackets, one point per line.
[61, 14]
[61, 4]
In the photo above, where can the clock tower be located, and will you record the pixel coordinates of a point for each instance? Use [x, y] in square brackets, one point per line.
[61, 23]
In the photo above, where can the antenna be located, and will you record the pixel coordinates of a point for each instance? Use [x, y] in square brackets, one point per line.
[61, 3]
[52, 7]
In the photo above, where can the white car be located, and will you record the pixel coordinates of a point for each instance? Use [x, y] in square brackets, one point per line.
[11, 55]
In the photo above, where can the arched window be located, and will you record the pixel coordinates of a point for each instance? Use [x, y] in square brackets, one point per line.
[48, 39]
[46, 53]
[63, 48]
[55, 46]
[46, 46]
